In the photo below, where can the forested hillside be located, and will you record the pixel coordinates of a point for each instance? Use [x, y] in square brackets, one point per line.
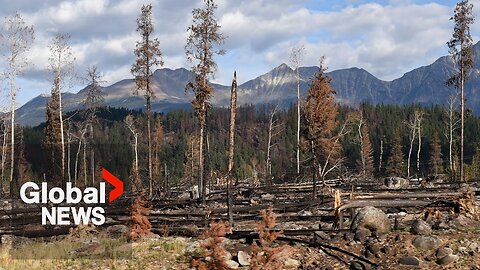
[178, 146]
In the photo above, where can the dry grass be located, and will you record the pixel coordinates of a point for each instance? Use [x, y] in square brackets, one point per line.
[166, 253]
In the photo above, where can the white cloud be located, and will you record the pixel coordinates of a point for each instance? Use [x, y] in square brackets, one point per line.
[387, 40]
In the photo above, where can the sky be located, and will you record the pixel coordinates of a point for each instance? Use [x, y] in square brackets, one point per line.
[387, 38]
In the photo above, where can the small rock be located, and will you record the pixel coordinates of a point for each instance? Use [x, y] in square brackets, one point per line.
[153, 237]
[396, 182]
[267, 197]
[374, 248]
[118, 230]
[244, 258]
[409, 260]
[305, 213]
[462, 249]
[420, 227]
[373, 219]
[368, 254]
[109, 220]
[361, 235]
[447, 259]
[320, 235]
[430, 257]
[291, 263]
[348, 236]
[89, 249]
[473, 246]
[463, 223]
[232, 264]
[441, 225]
[442, 252]
[356, 266]
[228, 256]
[426, 242]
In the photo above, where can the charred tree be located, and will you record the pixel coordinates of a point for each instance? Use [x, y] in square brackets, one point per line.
[460, 48]
[204, 36]
[231, 151]
[148, 56]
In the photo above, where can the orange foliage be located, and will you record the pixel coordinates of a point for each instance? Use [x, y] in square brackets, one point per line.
[140, 224]
[213, 247]
[265, 256]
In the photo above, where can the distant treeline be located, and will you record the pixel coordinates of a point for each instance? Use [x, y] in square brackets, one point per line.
[178, 157]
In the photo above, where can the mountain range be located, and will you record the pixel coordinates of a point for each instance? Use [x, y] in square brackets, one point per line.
[424, 85]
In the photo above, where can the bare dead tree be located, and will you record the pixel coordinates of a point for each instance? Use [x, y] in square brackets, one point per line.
[412, 125]
[419, 114]
[231, 151]
[61, 65]
[380, 158]
[4, 132]
[130, 123]
[332, 162]
[158, 136]
[69, 142]
[273, 131]
[80, 136]
[93, 99]
[17, 39]
[296, 56]
[148, 56]
[460, 48]
[452, 125]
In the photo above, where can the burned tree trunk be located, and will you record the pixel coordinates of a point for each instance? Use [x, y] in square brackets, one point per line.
[231, 152]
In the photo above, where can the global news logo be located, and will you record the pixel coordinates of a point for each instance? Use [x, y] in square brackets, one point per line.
[32, 193]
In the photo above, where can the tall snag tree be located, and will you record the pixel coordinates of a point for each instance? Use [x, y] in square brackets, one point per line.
[296, 56]
[231, 149]
[460, 48]
[16, 41]
[204, 37]
[93, 99]
[320, 113]
[451, 123]
[148, 56]
[61, 65]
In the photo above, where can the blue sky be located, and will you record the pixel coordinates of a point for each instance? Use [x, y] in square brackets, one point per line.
[387, 38]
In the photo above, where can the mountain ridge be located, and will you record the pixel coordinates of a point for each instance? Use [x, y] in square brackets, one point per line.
[423, 85]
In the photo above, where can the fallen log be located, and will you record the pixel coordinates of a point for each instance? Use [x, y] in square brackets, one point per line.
[386, 203]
